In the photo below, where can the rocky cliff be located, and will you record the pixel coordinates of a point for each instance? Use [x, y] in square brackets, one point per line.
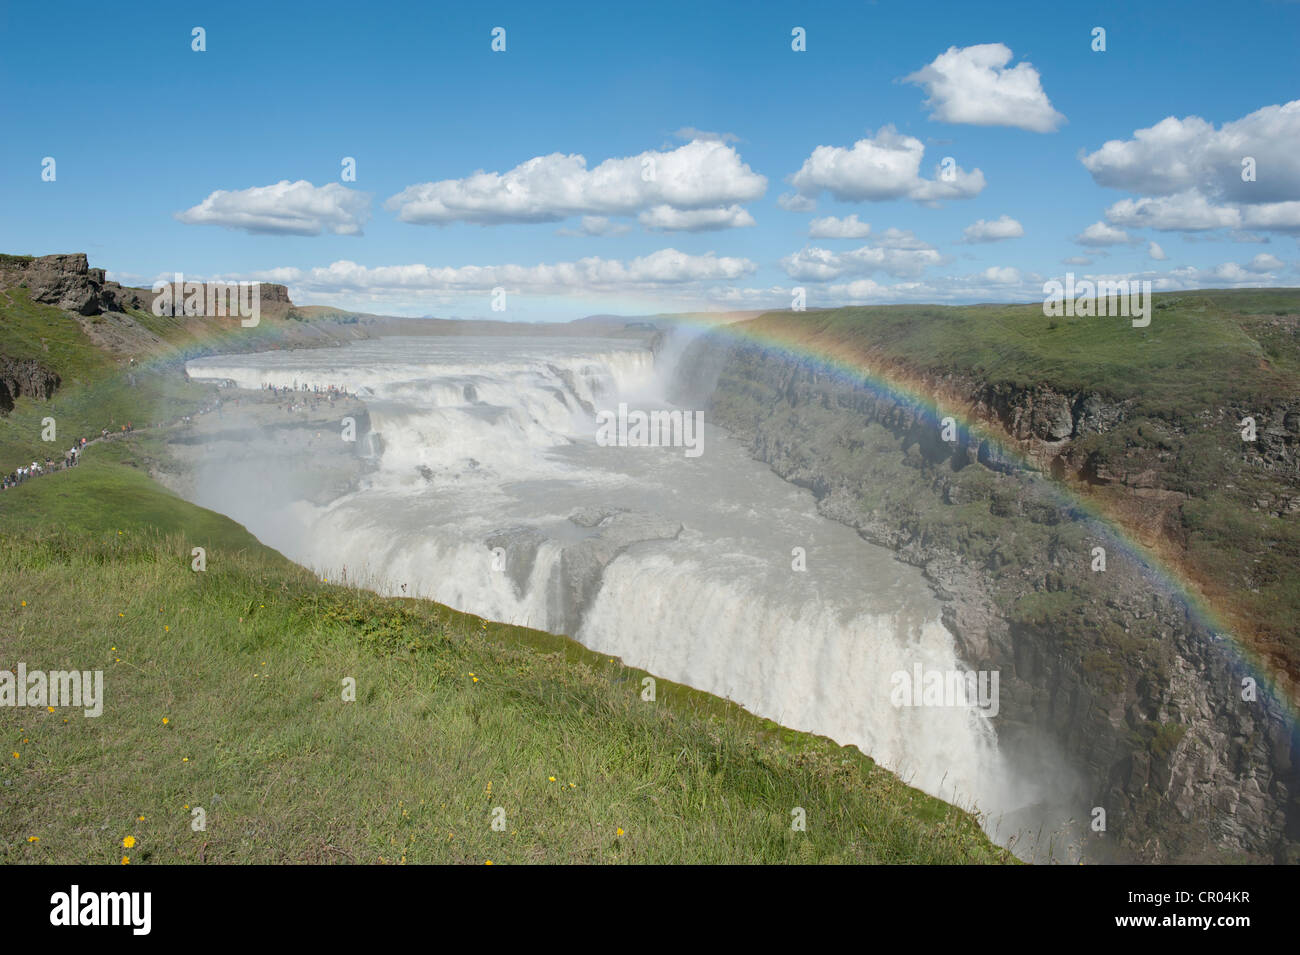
[1107, 666]
[68, 282]
[24, 378]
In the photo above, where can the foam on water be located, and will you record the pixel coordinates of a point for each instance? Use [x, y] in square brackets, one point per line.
[484, 436]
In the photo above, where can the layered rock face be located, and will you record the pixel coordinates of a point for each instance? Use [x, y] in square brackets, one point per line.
[25, 378]
[1109, 667]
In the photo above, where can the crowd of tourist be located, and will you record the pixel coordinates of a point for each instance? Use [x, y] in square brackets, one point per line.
[25, 472]
[303, 396]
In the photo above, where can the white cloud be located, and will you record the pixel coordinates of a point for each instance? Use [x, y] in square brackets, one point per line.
[286, 208]
[665, 268]
[1003, 227]
[832, 227]
[1156, 252]
[886, 166]
[596, 226]
[1100, 234]
[668, 219]
[819, 265]
[697, 175]
[972, 85]
[1195, 173]
[1258, 274]
[999, 284]
[1176, 155]
[860, 290]
[1182, 212]
[1076, 260]
[1272, 216]
[1266, 263]
[1002, 275]
[793, 202]
[739, 297]
[893, 238]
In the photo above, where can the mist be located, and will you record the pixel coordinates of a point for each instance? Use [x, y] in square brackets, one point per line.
[475, 478]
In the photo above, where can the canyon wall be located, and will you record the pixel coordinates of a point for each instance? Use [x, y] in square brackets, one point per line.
[1108, 666]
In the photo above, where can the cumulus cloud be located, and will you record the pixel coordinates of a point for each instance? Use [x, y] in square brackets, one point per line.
[885, 166]
[1002, 275]
[1266, 263]
[973, 85]
[1272, 216]
[997, 283]
[1193, 176]
[597, 225]
[665, 268]
[1003, 227]
[1156, 252]
[698, 175]
[668, 219]
[1180, 154]
[1260, 272]
[286, 208]
[820, 265]
[793, 202]
[833, 227]
[1101, 234]
[1182, 212]
[859, 290]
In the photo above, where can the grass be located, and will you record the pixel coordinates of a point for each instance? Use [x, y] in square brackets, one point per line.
[223, 691]
[1200, 348]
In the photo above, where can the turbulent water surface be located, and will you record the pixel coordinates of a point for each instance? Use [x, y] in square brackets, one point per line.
[489, 492]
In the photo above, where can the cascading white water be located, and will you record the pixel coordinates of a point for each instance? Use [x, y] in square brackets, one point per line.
[491, 494]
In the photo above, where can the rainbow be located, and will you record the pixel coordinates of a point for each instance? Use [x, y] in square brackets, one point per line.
[840, 362]
[1164, 577]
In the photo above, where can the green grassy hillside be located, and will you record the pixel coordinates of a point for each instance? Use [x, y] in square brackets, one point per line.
[223, 690]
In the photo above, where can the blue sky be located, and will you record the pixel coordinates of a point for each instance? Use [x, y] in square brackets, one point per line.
[167, 159]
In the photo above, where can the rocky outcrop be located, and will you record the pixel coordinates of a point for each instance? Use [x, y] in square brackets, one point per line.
[24, 378]
[68, 282]
[1109, 667]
